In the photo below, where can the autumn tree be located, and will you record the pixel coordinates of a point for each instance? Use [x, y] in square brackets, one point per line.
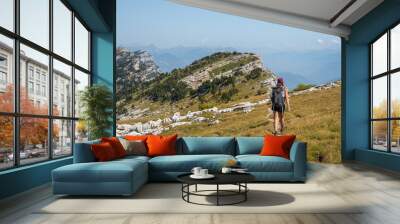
[395, 123]
[380, 127]
[33, 131]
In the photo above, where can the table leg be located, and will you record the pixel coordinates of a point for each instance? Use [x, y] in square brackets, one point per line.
[245, 193]
[182, 189]
[188, 190]
[217, 194]
[195, 188]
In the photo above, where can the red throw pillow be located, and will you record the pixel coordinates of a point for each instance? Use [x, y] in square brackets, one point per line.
[161, 145]
[103, 152]
[277, 145]
[116, 145]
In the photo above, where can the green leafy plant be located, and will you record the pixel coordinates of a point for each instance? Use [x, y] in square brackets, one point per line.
[97, 103]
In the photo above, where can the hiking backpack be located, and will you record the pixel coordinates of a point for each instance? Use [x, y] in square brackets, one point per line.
[278, 96]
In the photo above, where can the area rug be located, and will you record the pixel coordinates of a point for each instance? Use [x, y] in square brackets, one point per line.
[166, 198]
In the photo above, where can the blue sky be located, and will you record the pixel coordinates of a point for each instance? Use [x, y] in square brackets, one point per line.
[166, 24]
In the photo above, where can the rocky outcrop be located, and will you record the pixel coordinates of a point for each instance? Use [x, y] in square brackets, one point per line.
[133, 68]
[195, 79]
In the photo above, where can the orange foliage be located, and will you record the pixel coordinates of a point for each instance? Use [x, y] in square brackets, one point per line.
[33, 130]
[380, 127]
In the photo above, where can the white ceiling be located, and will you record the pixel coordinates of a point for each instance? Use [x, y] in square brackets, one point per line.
[325, 16]
[320, 9]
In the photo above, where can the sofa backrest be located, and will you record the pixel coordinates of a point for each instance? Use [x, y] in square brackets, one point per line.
[83, 152]
[206, 145]
[191, 146]
[249, 145]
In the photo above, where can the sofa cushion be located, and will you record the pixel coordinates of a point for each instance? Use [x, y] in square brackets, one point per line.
[275, 145]
[161, 145]
[206, 145]
[249, 145]
[132, 158]
[103, 152]
[134, 147]
[257, 163]
[185, 163]
[113, 171]
[116, 145]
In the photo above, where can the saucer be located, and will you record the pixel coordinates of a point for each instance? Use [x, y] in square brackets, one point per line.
[208, 176]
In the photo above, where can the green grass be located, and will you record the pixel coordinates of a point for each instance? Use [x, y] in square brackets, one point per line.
[232, 65]
[315, 119]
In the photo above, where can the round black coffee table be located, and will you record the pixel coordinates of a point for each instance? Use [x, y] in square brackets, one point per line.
[238, 179]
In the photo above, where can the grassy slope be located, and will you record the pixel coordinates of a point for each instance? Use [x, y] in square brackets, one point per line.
[247, 92]
[315, 119]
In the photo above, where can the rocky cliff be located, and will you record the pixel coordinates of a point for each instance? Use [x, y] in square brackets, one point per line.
[230, 65]
[223, 78]
[134, 68]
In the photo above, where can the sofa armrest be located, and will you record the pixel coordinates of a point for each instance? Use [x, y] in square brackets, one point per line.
[83, 152]
[298, 155]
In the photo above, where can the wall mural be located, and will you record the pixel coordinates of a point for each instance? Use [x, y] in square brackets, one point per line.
[213, 74]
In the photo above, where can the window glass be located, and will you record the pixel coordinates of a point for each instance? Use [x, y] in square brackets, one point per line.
[379, 135]
[395, 47]
[81, 82]
[379, 97]
[62, 89]
[33, 140]
[62, 138]
[6, 142]
[34, 20]
[34, 81]
[6, 74]
[39, 62]
[379, 56]
[7, 14]
[62, 29]
[81, 131]
[395, 138]
[395, 95]
[81, 45]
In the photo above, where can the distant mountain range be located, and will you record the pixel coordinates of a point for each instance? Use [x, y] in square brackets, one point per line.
[316, 66]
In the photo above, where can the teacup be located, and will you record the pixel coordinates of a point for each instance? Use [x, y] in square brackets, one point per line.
[226, 170]
[203, 172]
[196, 171]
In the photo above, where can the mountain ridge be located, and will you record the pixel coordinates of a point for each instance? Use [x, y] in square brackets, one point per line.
[317, 66]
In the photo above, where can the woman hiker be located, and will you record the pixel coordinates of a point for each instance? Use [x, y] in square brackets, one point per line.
[279, 101]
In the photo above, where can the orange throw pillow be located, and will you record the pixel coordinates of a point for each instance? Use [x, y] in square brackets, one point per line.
[116, 145]
[161, 145]
[103, 152]
[277, 145]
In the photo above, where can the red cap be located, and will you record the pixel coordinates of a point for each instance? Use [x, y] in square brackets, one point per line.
[280, 80]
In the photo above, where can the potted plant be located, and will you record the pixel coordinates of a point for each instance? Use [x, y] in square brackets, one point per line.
[96, 102]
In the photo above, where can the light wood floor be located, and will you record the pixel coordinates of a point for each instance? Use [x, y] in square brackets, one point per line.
[377, 188]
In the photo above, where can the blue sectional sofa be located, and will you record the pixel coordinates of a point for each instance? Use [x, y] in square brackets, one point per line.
[125, 176]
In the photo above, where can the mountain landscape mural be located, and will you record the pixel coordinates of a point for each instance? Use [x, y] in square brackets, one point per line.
[220, 94]
[215, 78]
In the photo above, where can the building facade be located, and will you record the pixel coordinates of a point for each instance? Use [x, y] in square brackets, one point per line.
[34, 81]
